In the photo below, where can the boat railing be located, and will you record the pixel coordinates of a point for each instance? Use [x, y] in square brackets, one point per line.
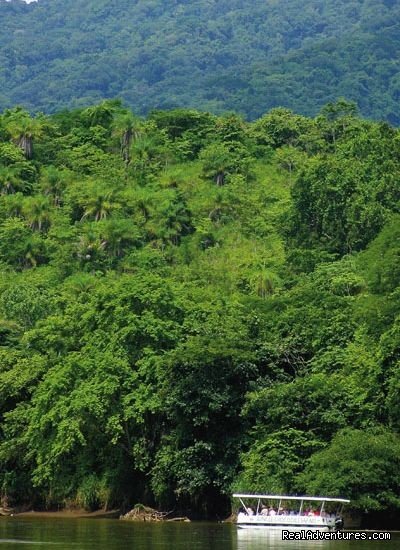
[291, 513]
[283, 505]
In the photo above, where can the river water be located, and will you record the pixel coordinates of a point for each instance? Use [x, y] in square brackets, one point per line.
[98, 534]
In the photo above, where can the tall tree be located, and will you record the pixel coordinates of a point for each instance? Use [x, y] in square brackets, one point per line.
[128, 128]
[24, 129]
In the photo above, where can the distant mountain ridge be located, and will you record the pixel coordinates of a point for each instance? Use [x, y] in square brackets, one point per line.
[215, 55]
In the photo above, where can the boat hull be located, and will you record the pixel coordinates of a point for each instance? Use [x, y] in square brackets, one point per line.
[268, 527]
[287, 522]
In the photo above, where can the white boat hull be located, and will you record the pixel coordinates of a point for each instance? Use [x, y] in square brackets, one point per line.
[281, 527]
[287, 522]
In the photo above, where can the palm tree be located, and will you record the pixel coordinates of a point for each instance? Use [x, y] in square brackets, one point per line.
[81, 283]
[33, 253]
[24, 129]
[37, 212]
[53, 184]
[90, 248]
[14, 205]
[101, 114]
[9, 180]
[145, 151]
[99, 205]
[264, 282]
[217, 162]
[127, 127]
[117, 234]
[222, 207]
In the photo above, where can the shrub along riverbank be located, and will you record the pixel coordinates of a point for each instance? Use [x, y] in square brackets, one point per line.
[192, 304]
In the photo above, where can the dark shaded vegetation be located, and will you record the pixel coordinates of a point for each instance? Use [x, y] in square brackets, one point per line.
[191, 304]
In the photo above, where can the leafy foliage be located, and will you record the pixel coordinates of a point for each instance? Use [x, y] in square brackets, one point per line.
[367, 471]
[192, 303]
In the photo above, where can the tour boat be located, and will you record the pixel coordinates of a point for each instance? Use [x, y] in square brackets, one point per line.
[290, 512]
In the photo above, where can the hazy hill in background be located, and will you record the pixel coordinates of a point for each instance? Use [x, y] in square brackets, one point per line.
[216, 55]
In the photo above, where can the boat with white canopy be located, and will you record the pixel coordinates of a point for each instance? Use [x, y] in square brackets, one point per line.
[290, 512]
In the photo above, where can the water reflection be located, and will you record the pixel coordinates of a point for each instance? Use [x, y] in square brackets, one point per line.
[84, 534]
[257, 539]
[254, 539]
[87, 534]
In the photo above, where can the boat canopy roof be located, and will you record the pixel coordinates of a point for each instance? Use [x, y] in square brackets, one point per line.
[287, 497]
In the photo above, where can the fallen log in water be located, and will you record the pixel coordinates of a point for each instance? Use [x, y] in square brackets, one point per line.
[145, 513]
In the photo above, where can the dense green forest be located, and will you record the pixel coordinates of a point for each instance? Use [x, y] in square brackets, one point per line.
[192, 304]
[211, 55]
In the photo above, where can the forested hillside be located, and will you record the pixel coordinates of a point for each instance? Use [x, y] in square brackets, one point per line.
[218, 55]
[191, 304]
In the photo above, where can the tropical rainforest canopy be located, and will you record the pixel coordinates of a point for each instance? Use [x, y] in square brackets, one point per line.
[191, 304]
[213, 55]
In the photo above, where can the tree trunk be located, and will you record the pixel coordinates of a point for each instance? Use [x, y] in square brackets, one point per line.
[26, 144]
[126, 141]
[220, 179]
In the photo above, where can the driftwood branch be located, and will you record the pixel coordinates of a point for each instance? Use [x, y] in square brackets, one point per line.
[144, 513]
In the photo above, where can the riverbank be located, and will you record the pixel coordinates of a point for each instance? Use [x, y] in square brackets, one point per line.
[64, 514]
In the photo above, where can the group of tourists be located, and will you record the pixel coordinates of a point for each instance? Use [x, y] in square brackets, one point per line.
[266, 511]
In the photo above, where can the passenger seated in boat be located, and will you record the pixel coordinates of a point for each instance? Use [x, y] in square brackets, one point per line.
[264, 511]
[272, 512]
[250, 511]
